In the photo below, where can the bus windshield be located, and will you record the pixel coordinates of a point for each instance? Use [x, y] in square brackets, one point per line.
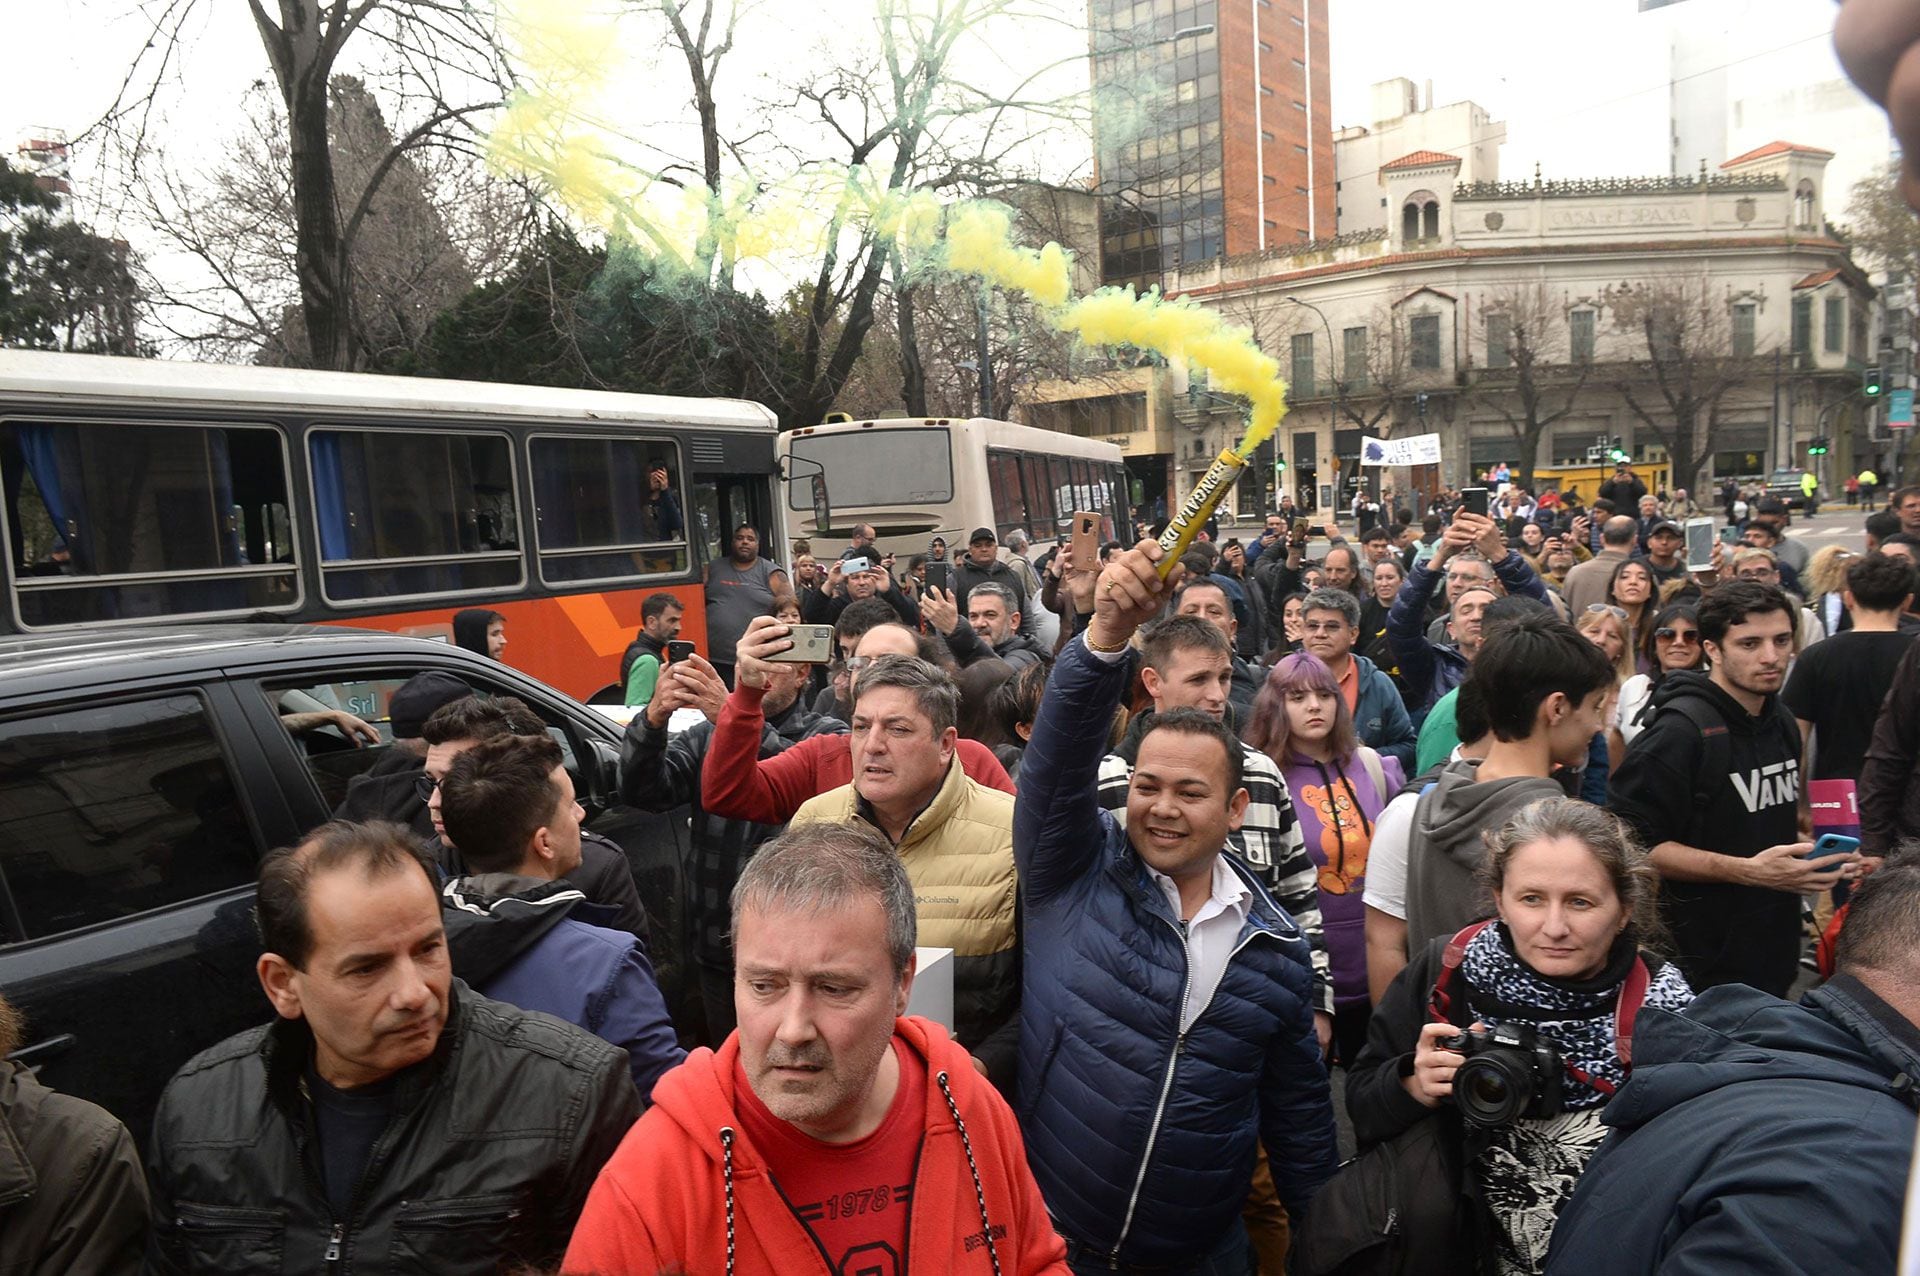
[871, 469]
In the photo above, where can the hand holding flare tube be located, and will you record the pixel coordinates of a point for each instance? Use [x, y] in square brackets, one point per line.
[1198, 508]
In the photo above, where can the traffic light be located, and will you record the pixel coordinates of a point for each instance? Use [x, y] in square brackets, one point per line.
[1617, 453]
[1817, 447]
[1871, 384]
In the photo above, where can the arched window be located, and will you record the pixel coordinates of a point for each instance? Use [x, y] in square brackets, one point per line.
[1803, 204]
[1420, 217]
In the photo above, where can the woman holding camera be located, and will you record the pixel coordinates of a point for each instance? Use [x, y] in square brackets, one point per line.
[1510, 1032]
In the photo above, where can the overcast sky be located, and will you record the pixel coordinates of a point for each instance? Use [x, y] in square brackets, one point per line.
[1581, 84]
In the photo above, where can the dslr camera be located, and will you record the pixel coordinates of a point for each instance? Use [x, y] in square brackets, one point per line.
[1509, 1073]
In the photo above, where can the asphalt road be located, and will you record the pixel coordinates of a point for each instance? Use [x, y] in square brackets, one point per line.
[1833, 525]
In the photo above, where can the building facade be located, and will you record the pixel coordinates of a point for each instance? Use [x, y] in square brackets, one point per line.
[1711, 314]
[1212, 130]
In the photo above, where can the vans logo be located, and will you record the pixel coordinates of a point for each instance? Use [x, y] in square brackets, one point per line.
[1768, 786]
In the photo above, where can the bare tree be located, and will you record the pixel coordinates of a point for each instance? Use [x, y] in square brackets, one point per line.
[1881, 226]
[425, 44]
[439, 222]
[1680, 364]
[1530, 379]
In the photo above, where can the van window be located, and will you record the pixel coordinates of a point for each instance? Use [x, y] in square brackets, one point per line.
[112, 521]
[114, 810]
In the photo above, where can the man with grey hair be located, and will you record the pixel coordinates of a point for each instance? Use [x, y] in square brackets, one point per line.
[953, 834]
[1330, 625]
[990, 628]
[828, 1119]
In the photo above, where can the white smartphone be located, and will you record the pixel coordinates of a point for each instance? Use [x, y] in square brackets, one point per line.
[1700, 544]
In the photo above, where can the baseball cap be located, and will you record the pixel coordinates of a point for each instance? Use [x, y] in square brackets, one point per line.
[418, 697]
[1664, 525]
[982, 534]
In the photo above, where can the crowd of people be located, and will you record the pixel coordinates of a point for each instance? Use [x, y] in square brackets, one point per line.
[1497, 828]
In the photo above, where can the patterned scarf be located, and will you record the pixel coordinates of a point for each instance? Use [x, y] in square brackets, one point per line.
[1574, 1015]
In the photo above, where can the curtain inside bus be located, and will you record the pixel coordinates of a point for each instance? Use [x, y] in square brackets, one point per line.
[51, 454]
[329, 496]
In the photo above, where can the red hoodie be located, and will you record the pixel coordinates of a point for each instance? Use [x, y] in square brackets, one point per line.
[736, 785]
[661, 1202]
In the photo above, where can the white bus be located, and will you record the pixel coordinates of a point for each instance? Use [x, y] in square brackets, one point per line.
[914, 479]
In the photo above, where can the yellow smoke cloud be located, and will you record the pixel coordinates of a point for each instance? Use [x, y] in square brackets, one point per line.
[980, 242]
[1183, 332]
[572, 66]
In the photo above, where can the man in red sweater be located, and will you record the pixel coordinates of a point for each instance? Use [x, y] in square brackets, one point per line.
[737, 784]
[827, 1134]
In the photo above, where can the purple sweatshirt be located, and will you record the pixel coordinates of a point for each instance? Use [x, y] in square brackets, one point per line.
[1325, 797]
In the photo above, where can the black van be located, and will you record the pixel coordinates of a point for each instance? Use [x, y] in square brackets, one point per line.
[143, 774]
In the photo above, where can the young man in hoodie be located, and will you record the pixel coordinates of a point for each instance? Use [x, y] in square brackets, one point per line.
[1712, 786]
[1761, 1137]
[1187, 663]
[1540, 686]
[828, 1134]
[517, 931]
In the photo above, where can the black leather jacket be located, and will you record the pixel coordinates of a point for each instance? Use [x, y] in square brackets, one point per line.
[487, 1160]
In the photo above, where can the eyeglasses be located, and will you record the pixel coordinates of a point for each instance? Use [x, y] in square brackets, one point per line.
[856, 663]
[1594, 609]
[1666, 633]
[424, 786]
[1759, 573]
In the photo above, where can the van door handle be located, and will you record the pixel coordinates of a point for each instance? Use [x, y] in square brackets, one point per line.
[43, 1052]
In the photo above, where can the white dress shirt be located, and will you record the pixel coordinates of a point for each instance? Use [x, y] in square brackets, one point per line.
[1210, 934]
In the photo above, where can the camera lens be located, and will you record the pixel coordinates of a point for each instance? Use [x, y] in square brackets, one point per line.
[1493, 1088]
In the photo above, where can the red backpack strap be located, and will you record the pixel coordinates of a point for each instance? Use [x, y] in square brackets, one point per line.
[1633, 995]
[1440, 1001]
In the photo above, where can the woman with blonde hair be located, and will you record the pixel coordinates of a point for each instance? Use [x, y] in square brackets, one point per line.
[1824, 579]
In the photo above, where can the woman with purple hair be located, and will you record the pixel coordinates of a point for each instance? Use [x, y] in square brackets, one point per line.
[1339, 787]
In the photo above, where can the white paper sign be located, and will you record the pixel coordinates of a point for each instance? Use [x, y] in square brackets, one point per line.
[1420, 449]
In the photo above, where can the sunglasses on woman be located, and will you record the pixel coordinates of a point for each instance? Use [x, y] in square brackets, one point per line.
[1667, 633]
[1595, 609]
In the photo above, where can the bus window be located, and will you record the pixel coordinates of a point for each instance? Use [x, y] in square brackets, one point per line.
[1003, 477]
[876, 468]
[413, 513]
[1061, 475]
[1040, 507]
[113, 521]
[599, 515]
[1082, 486]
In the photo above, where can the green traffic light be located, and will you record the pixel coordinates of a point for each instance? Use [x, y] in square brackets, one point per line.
[1870, 384]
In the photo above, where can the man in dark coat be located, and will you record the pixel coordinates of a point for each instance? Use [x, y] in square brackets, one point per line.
[72, 1195]
[1764, 1137]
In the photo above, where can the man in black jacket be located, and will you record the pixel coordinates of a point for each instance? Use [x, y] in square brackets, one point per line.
[658, 773]
[980, 564]
[390, 1119]
[1712, 785]
[388, 790]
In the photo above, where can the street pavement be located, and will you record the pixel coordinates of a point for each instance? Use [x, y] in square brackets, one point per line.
[1833, 525]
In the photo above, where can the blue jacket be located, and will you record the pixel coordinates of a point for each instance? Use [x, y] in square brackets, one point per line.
[1755, 1136]
[1428, 670]
[1380, 716]
[1142, 1137]
[540, 945]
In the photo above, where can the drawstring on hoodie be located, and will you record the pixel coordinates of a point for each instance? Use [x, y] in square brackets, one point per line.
[726, 1155]
[973, 1168]
[979, 1193]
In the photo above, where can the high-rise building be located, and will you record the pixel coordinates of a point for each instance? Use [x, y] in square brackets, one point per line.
[44, 152]
[1212, 130]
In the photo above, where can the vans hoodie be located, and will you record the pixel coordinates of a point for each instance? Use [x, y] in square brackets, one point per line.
[1445, 851]
[688, 1192]
[1732, 788]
